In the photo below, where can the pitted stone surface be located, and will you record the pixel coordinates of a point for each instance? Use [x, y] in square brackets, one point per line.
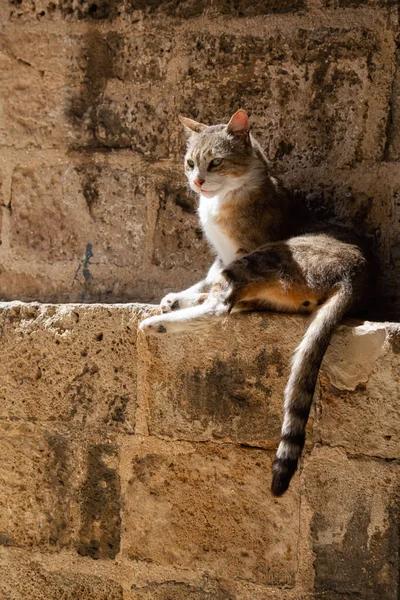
[69, 364]
[238, 536]
[144, 465]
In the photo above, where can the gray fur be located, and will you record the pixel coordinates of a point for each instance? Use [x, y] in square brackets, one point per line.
[283, 261]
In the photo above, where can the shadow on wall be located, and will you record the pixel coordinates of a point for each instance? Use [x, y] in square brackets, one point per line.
[107, 81]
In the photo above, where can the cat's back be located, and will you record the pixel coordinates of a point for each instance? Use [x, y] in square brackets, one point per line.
[246, 219]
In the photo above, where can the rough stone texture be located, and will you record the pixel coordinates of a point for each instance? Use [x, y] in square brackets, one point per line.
[354, 527]
[361, 384]
[234, 392]
[133, 469]
[37, 488]
[31, 581]
[64, 365]
[170, 485]
[93, 148]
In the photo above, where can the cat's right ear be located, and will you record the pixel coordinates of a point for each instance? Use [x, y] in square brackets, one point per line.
[190, 125]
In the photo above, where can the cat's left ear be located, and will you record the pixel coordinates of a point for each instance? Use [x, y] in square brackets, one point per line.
[239, 123]
[190, 125]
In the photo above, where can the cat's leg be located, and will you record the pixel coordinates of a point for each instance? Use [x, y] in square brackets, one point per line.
[184, 299]
[230, 286]
[196, 294]
[268, 275]
[186, 319]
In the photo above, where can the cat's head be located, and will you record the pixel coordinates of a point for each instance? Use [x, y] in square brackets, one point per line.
[218, 157]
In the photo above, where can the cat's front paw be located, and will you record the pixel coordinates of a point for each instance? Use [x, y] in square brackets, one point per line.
[153, 326]
[170, 302]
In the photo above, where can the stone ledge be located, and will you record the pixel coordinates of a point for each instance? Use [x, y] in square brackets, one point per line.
[152, 456]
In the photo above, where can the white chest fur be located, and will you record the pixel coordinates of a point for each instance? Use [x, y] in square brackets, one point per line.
[223, 245]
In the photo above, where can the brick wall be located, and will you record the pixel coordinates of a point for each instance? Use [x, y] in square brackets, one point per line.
[94, 205]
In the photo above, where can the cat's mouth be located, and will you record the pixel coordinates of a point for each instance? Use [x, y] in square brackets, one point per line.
[208, 192]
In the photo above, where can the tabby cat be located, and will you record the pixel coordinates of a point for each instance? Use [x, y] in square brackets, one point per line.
[269, 255]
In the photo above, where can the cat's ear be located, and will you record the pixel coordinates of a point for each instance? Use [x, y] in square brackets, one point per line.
[239, 123]
[190, 125]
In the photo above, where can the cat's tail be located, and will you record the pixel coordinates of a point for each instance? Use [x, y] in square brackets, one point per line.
[301, 385]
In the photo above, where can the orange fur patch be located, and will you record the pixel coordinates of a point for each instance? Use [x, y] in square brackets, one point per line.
[280, 297]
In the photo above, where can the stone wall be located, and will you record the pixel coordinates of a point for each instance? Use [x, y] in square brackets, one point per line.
[93, 199]
[137, 469]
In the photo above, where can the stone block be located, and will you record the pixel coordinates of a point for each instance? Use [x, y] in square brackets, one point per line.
[34, 11]
[178, 591]
[189, 8]
[35, 78]
[29, 579]
[178, 238]
[309, 93]
[89, 213]
[100, 532]
[354, 526]
[393, 146]
[38, 486]
[360, 388]
[73, 364]
[224, 383]
[135, 118]
[208, 506]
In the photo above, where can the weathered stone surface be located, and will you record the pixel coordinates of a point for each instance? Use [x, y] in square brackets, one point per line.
[90, 231]
[26, 11]
[61, 213]
[189, 8]
[72, 364]
[318, 92]
[211, 506]
[354, 526]
[360, 390]
[191, 520]
[29, 580]
[178, 238]
[313, 76]
[178, 591]
[100, 532]
[359, 3]
[33, 90]
[369, 203]
[223, 383]
[37, 486]
[393, 145]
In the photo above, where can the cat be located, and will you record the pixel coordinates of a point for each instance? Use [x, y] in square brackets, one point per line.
[270, 255]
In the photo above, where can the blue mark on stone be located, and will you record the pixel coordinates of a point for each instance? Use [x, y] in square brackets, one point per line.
[84, 265]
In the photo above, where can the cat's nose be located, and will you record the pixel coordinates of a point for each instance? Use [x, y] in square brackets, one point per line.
[199, 182]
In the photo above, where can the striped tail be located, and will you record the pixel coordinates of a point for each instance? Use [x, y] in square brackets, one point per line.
[301, 385]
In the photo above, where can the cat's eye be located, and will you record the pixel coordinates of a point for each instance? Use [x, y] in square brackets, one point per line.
[216, 162]
[190, 163]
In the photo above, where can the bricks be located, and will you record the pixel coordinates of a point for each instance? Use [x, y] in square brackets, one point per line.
[211, 506]
[97, 85]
